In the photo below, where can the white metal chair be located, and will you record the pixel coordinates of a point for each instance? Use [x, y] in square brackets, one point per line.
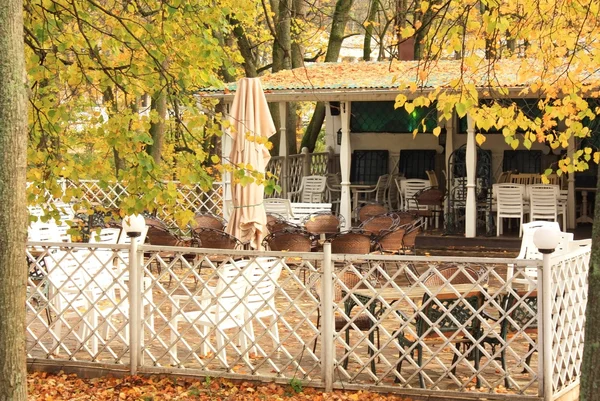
[334, 191]
[280, 206]
[312, 189]
[377, 194]
[510, 205]
[218, 308]
[543, 202]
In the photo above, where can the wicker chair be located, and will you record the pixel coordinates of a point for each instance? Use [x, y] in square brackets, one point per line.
[405, 218]
[362, 321]
[208, 220]
[351, 242]
[430, 204]
[448, 315]
[161, 236]
[378, 224]
[294, 240]
[215, 239]
[323, 223]
[409, 240]
[288, 240]
[277, 222]
[370, 210]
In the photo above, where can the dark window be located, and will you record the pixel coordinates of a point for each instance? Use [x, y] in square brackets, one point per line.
[415, 162]
[522, 161]
[382, 117]
[368, 165]
[528, 106]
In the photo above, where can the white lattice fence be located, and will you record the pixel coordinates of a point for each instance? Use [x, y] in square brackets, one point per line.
[398, 322]
[569, 295]
[190, 197]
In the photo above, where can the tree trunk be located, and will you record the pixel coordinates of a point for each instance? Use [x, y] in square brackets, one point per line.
[157, 129]
[282, 54]
[373, 7]
[590, 374]
[338, 26]
[13, 219]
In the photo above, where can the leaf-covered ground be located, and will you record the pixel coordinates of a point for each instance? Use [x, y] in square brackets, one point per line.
[50, 387]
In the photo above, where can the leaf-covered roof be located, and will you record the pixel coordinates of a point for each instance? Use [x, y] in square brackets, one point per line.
[333, 81]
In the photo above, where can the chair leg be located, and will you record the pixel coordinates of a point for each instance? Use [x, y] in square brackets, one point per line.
[528, 359]
[317, 338]
[420, 363]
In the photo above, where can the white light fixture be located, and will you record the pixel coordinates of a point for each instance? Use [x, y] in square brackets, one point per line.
[134, 225]
[546, 239]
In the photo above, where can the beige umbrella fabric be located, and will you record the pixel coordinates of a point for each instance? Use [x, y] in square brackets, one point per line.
[250, 116]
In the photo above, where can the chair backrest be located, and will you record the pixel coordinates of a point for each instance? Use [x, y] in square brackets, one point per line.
[288, 240]
[351, 242]
[215, 239]
[279, 206]
[405, 218]
[263, 284]
[455, 275]
[280, 223]
[409, 188]
[109, 235]
[543, 200]
[391, 241]
[371, 210]
[43, 232]
[432, 176]
[529, 250]
[523, 311]
[208, 220]
[233, 285]
[161, 236]
[525, 179]
[504, 177]
[510, 198]
[429, 197]
[392, 191]
[323, 223]
[313, 188]
[377, 224]
[381, 188]
[333, 184]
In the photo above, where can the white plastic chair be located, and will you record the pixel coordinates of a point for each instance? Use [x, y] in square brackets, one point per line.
[312, 189]
[260, 302]
[543, 202]
[529, 251]
[280, 206]
[217, 308]
[409, 188]
[510, 205]
[78, 281]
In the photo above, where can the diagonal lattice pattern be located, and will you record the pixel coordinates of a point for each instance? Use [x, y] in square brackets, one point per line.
[398, 321]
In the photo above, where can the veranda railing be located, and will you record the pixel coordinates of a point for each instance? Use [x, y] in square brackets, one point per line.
[96, 308]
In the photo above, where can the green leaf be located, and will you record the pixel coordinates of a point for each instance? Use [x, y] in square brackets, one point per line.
[461, 109]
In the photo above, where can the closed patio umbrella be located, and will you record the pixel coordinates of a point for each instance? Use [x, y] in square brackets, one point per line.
[250, 116]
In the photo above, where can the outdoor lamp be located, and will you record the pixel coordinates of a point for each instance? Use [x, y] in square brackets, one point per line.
[546, 239]
[133, 225]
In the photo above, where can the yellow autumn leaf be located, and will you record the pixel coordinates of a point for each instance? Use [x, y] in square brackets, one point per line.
[596, 157]
[480, 139]
[437, 131]
[409, 107]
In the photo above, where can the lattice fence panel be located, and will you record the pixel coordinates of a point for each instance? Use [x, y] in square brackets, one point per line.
[570, 293]
[203, 321]
[402, 322]
[319, 163]
[77, 303]
[295, 172]
[275, 167]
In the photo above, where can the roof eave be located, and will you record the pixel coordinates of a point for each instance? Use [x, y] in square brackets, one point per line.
[353, 94]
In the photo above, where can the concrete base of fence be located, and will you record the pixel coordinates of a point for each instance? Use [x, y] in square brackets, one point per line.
[81, 369]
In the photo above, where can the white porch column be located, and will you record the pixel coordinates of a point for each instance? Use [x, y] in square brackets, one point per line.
[571, 221]
[283, 148]
[449, 124]
[471, 161]
[226, 144]
[345, 156]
